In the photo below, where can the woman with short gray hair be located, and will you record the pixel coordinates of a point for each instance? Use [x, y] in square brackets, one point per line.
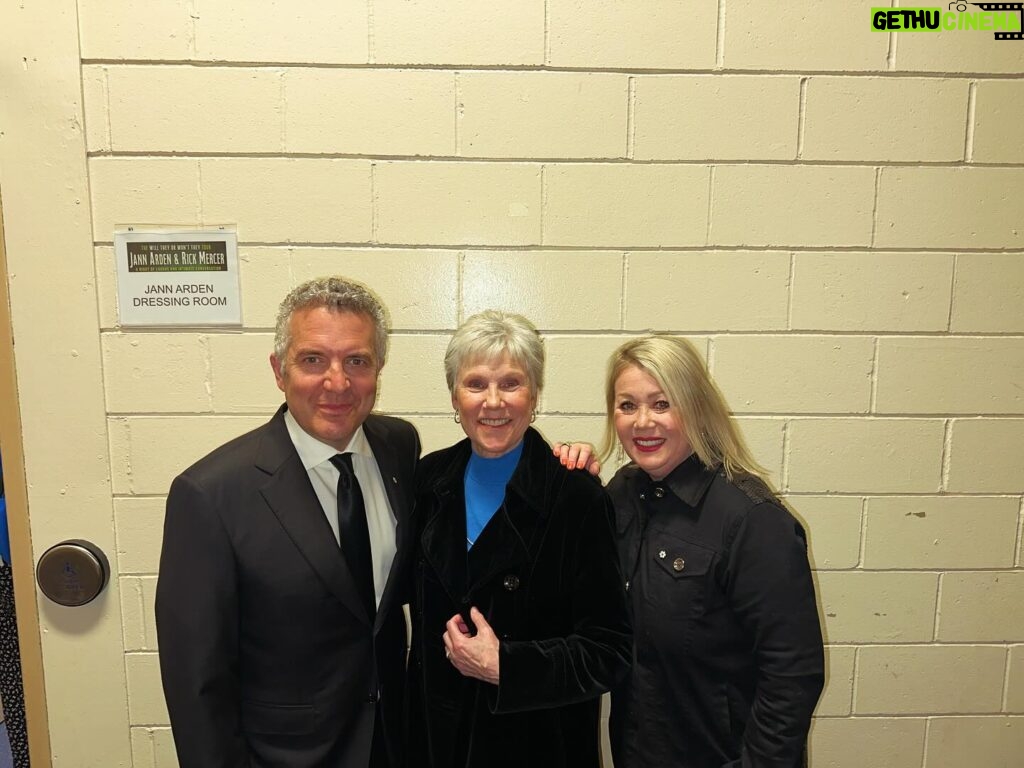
[519, 613]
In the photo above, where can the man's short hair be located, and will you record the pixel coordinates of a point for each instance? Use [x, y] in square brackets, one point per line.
[338, 294]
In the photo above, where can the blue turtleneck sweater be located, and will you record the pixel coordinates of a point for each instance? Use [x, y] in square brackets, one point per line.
[485, 489]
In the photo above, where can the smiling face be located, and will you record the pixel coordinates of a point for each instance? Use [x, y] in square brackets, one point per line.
[329, 374]
[495, 402]
[648, 426]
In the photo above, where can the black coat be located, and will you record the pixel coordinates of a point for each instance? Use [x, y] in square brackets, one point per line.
[728, 660]
[267, 655]
[545, 575]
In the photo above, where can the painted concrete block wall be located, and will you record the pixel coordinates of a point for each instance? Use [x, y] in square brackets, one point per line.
[834, 215]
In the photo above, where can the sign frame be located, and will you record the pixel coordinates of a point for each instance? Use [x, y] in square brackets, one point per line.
[184, 277]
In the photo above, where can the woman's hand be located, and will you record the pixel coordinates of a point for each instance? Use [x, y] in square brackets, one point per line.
[473, 655]
[577, 456]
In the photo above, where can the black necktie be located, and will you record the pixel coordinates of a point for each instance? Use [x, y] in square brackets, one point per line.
[353, 531]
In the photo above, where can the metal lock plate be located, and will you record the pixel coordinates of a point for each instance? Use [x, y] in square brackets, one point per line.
[73, 572]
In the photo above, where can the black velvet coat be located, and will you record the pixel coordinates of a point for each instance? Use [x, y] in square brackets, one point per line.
[545, 574]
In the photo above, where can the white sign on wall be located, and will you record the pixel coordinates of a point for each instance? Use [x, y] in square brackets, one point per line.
[176, 276]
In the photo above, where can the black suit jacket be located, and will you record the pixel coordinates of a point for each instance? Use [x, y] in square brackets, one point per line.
[267, 656]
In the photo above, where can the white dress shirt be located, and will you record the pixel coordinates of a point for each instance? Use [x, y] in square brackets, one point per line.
[380, 518]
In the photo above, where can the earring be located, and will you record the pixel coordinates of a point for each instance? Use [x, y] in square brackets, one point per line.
[458, 416]
[533, 416]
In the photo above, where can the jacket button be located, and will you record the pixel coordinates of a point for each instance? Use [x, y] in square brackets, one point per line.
[511, 582]
[678, 564]
[659, 492]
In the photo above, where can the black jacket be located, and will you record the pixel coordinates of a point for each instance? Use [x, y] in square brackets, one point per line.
[728, 661]
[545, 574]
[267, 655]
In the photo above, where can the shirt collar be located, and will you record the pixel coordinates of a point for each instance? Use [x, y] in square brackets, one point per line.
[313, 452]
[690, 480]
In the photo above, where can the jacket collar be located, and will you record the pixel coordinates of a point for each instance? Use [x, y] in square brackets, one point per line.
[507, 540]
[528, 481]
[689, 482]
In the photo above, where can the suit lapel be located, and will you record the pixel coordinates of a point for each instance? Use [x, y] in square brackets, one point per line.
[396, 473]
[291, 498]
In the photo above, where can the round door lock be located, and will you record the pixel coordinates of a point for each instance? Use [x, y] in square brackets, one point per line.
[73, 572]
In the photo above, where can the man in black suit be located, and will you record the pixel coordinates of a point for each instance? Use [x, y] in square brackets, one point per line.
[282, 635]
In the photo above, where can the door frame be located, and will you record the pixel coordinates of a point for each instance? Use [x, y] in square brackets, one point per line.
[22, 563]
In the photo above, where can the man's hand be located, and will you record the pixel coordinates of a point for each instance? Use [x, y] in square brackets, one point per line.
[473, 655]
[577, 456]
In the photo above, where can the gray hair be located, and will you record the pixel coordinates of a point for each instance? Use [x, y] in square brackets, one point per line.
[491, 334]
[338, 294]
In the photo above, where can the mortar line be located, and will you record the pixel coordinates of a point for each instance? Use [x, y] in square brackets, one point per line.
[801, 123]
[711, 197]
[460, 287]
[373, 203]
[720, 37]
[547, 32]
[623, 288]
[952, 292]
[543, 202]
[458, 112]
[874, 207]
[947, 451]
[972, 106]
[863, 546]
[791, 291]
[631, 118]
[1018, 554]
[873, 399]
[890, 53]
[371, 42]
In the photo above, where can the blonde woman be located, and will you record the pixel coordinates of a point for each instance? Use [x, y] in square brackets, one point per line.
[728, 661]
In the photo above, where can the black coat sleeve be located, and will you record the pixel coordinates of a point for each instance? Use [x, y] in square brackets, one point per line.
[771, 592]
[197, 630]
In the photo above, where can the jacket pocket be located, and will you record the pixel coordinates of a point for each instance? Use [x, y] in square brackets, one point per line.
[680, 559]
[278, 719]
[676, 588]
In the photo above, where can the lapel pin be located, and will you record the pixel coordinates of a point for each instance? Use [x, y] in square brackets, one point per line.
[394, 480]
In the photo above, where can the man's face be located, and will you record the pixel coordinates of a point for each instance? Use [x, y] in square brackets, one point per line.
[329, 375]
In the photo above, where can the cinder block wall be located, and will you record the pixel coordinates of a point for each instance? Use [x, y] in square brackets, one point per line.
[833, 214]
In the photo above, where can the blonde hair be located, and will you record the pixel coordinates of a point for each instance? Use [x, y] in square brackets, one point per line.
[680, 372]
